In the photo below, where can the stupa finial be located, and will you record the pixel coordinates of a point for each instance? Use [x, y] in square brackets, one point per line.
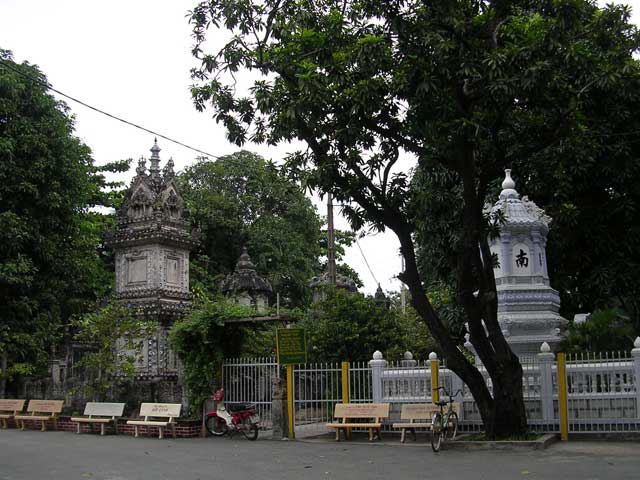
[508, 186]
[154, 168]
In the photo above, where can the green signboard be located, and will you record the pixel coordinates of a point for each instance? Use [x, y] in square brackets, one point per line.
[291, 344]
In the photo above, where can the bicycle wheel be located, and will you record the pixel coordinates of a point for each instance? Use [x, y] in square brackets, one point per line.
[436, 431]
[452, 426]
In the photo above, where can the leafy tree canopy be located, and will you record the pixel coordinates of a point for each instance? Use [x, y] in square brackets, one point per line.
[243, 200]
[50, 267]
[469, 86]
[351, 327]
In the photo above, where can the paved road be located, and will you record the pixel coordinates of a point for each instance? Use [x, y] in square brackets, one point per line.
[34, 455]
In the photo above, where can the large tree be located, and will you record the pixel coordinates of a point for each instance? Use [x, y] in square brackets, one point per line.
[244, 200]
[468, 86]
[51, 266]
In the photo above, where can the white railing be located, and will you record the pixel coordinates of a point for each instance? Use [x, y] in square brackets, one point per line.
[602, 390]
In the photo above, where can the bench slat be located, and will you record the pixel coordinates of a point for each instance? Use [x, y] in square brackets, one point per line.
[152, 423]
[354, 425]
[9, 405]
[45, 406]
[412, 425]
[104, 409]
[160, 409]
[91, 420]
[361, 410]
[423, 411]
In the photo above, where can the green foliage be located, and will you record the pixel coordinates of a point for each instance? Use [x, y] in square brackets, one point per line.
[51, 265]
[201, 341]
[604, 331]
[114, 338]
[243, 200]
[351, 327]
[468, 88]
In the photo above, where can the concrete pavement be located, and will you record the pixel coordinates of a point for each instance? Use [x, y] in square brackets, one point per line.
[33, 455]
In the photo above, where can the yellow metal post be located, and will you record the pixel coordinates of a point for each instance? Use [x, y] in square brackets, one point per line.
[435, 370]
[290, 410]
[562, 397]
[345, 390]
[345, 382]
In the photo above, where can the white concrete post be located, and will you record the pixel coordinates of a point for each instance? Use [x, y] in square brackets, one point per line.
[636, 370]
[377, 366]
[407, 360]
[546, 359]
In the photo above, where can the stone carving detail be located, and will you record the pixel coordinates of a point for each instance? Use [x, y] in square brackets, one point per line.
[152, 242]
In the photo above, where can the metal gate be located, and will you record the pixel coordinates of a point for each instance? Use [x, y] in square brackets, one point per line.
[249, 380]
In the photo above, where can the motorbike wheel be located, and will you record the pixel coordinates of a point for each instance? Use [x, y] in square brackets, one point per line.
[250, 430]
[216, 426]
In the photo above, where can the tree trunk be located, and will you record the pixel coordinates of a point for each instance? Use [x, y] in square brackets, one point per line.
[4, 360]
[510, 417]
[503, 414]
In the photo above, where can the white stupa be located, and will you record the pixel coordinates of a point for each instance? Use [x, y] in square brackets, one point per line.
[527, 305]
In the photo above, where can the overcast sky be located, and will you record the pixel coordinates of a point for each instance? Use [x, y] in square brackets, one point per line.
[132, 58]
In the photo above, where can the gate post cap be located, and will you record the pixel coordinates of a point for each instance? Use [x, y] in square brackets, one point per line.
[433, 356]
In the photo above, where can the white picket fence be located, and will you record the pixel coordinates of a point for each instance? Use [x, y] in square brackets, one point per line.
[602, 390]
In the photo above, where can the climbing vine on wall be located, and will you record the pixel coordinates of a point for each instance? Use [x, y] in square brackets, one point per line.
[201, 341]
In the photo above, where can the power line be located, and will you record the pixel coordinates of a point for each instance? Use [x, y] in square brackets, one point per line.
[115, 117]
[365, 261]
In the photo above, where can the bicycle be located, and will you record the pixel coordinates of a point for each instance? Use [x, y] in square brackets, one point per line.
[444, 424]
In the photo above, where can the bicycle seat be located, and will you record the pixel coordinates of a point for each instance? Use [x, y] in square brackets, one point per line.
[442, 403]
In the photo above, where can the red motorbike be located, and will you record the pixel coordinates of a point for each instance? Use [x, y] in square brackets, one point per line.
[233, 418]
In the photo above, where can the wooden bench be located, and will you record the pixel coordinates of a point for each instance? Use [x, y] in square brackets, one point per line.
[102, 413]
[9, 409]
[159, 415]
[374, 412]
[42, 411]
[423, 412]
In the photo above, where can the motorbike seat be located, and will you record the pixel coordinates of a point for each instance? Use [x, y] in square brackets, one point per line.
[236, 407]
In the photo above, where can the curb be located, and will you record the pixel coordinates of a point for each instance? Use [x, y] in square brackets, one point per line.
[541, 444]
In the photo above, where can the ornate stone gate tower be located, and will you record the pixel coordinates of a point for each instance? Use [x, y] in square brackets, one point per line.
[527, 305]
[152, 242]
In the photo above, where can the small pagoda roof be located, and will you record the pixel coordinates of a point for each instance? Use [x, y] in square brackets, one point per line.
[517, 211]
[245, 278]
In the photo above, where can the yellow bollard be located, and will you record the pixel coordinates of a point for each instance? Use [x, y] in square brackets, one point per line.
[563, 409]
[345, 391]
[435, 370]
[345, 382]
[290, 410]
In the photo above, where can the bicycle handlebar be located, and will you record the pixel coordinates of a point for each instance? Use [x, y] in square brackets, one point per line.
[448, 394]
